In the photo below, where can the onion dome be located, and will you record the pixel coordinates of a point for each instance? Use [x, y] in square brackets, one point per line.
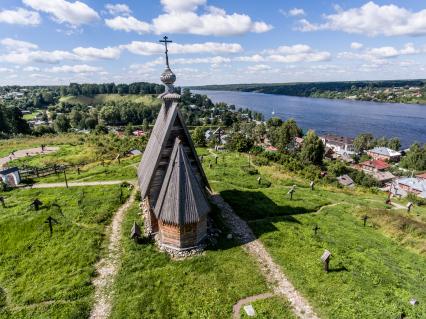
[168, 77]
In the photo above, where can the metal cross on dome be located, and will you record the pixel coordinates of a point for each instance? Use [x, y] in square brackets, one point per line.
[165, 41]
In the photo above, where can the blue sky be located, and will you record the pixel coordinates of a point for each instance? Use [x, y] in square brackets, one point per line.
[215, 41]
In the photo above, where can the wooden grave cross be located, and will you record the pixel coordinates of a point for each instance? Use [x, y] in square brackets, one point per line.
[50, 220]
[364, 218]
[316, 228]
[135, 233]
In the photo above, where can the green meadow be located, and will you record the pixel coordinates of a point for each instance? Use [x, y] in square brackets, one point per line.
[374, 271]
[49, 276]
[151, 285]
[147, 99]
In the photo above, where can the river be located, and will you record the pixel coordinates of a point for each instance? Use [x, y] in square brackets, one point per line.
[341, 117]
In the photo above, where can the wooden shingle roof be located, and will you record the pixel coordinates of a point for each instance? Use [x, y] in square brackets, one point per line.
[182, 200]
[152, 168]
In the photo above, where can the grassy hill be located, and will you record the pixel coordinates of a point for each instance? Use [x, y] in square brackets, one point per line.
[375, 270]
[97, 99]
[43, 276]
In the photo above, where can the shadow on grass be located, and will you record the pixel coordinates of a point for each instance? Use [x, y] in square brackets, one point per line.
[252, 206]
[338, 269]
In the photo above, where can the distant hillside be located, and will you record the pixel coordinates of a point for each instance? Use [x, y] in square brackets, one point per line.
[147, 99]
[309, 88]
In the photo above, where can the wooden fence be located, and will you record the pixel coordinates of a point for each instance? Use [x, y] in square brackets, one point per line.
[28, 172]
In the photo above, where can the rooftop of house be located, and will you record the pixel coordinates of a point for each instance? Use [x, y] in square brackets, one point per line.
[345, 180]
[385, 151]
[377, 164]
[414, 183]
[383, 176]
[422, 176]
[330, 138]
[9, 170]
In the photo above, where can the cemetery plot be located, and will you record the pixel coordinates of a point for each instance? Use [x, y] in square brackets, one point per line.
[372, 273]
[48, 256]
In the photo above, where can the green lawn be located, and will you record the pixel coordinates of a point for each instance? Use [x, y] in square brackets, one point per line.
[75, 155]
[151, 285]
[50, 277]
[375, 270]
[271, 308]
[13, 144]
[147, 99]
[30, 116]
[110, 170]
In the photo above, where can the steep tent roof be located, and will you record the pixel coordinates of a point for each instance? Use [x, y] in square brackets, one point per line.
[181, 200]
[157, 143]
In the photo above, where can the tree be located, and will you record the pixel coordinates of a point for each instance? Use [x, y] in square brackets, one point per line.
[415, 158]
[274, 122]
[145, 125]
[76, 118]
[90, 123]
[313, 149]
[129, 130]
[199, 137]
[394, 143]
[17, 124]
[62, 123]
[239, 142]
[101, 129]
[363, 142]
[286, 133]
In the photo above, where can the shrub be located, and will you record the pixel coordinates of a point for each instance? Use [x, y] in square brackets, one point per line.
[250, 170]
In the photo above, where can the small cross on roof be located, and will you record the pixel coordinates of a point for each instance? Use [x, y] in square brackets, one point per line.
[165, 41]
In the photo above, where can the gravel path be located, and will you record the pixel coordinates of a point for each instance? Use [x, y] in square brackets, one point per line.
[272, 272]
[237, 307]
[107, 267]
[30, 151]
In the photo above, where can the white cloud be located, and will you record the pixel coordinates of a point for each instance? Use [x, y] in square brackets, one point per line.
[182, 5]
[356, 45]
[211, 23]
[26, 57]
[20, 16]
[300, 57]
[378, 55]
[296, 12]
[251, 58]
[31, 69]
[296, 53]
[208, 60]
[294, 49]
[258, 68]
[6, 70]
[372, 19]
[17, 45]
[73, 13]
[150, 48]
[181, 17]
[79, 68]
[110, 53]
[128, 24]
[119, 8]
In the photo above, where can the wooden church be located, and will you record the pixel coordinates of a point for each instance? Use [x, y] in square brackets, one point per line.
[172, 182]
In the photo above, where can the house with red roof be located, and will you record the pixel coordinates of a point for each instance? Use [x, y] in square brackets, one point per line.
[422, 176]
[377, 169]
[374, 166]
